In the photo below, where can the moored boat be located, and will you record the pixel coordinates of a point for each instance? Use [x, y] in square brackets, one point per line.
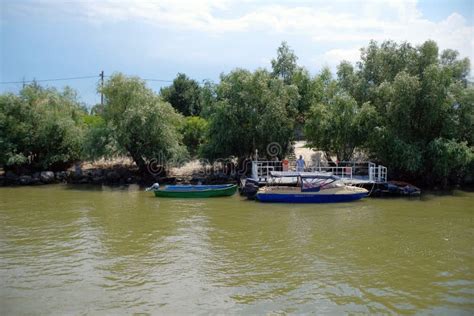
[193, 191]
[313, 188]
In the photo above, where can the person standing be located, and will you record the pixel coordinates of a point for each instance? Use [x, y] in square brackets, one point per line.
[300, 164]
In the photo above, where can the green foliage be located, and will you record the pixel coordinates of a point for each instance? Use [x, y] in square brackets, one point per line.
[251, 111]
[424, 108]
[326, 86]
[194, 132]
[41, 128]
[339, 126]
[309, 91]
[460, 119]
[379, 64]
[284, 66]
[140, 122]
[208, 97]
[184, 95]
[450, 159]
[98, 140]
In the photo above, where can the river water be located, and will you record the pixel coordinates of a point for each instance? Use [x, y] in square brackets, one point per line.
[101, 250]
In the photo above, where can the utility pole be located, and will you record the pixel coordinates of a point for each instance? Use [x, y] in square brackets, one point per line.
[101, 87]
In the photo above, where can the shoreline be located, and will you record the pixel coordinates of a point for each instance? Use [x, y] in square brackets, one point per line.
[127, 175]
[106, 176]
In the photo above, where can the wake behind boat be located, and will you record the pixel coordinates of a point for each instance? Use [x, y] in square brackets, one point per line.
[313, 188]
[193, 191]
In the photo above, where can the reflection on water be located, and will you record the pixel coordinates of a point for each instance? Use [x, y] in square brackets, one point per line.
[76, 249]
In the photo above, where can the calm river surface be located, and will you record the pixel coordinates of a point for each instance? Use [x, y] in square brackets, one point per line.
[82, 250]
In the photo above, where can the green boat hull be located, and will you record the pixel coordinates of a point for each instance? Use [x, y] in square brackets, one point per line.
[197, 194]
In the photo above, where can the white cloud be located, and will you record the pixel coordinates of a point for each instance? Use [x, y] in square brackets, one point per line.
[337, 55]
[339, 24]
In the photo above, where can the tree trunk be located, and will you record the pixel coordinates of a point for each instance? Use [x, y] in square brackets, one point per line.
[139, 161]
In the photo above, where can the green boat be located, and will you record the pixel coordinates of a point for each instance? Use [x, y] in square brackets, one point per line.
[193, 191]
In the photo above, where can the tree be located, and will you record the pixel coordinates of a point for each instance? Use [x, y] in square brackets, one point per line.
[184, 95]
[339, 126]
[284, 66]
[208, 98]
[41, 128]
[450, 159]
[194, 132]
[251, 111]
[460, 120]
[424, 108]
[99, 140]
[307, 91]
[140, 122]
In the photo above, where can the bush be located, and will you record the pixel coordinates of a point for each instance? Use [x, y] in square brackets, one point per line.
[41, 128]
[194, 133]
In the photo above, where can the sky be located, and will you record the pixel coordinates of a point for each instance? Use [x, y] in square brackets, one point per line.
[51, 39]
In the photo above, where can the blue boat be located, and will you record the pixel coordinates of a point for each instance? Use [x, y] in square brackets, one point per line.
[311, 188]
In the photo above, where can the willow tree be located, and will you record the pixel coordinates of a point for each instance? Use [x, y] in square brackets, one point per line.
[284, 65]
[252, 110]
[40, 128]
[140, 122]
[339, 125]
[194, 131]
[424, 108]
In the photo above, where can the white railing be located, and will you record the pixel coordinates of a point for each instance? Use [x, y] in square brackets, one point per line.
[364, 170]
[346, 170]
[377, 173]
[262, 169]
[342, 172]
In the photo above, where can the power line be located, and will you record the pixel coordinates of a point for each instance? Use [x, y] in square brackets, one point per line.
[100, 76]
[202, 82]
[44, 80]
[159, 80]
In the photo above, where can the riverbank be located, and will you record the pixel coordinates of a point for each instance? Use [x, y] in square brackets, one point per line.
[122, 170]
[113, 172]
[127, 175]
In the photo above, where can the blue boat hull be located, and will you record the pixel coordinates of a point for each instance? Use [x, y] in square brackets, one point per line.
[308, 198]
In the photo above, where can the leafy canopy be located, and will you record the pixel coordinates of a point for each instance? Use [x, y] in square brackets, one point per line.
[284, 66]
[194, 132]
[252, 110]
[184, 95]
[418, 109]
[339, 125]
[41, 128]
[140, 122]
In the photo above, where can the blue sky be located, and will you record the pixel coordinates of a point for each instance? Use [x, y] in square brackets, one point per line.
[157, 39]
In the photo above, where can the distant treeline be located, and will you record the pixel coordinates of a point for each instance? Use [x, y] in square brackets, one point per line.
[410, 108]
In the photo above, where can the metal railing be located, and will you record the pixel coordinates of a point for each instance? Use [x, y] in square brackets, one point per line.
[341, 172]
[377, 173]
[366, 170]
[263, 168]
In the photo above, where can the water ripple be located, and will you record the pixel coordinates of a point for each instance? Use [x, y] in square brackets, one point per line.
[122, 251]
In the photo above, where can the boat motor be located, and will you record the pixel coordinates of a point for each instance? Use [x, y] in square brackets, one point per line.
[154, 187]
